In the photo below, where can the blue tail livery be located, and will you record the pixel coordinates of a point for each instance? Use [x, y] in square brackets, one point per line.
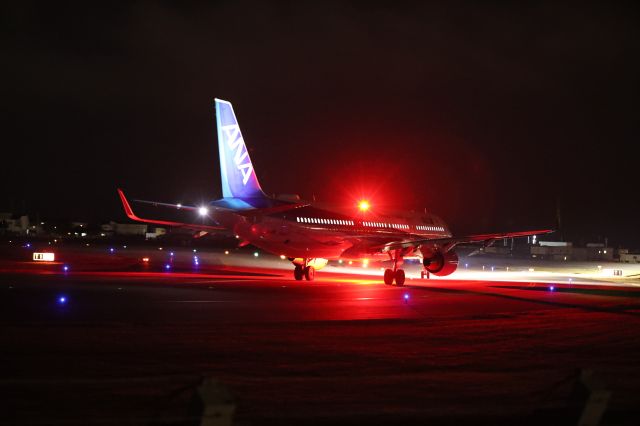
[239, 178]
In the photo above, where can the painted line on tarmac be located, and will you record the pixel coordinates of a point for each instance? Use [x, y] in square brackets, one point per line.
[221, 281]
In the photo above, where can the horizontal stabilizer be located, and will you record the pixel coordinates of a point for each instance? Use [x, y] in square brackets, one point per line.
[271, 210]
[174, 206]
[131, 215]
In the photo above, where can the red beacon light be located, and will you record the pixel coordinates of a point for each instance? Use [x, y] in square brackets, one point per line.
[363, 205]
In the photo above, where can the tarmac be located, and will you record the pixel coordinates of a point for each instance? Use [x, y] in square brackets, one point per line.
[117, 340]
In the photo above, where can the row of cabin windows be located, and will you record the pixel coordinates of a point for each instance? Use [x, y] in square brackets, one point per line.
[325, 221]
[386, 225]
[371, 224]
[429, 228]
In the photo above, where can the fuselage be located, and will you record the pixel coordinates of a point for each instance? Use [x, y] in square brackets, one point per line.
[314, 231]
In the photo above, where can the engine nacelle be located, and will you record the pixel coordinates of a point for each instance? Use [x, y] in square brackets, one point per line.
[317, 262]
[441, 264]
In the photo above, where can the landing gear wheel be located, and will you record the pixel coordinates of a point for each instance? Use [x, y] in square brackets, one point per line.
[399, 276]
[297, 273]
[388, 276]
[309, 273]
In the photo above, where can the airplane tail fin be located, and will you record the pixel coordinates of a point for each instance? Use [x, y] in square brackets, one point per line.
[239, 179]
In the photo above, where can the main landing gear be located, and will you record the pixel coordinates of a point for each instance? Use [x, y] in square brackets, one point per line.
[304, 271]
[395, 274]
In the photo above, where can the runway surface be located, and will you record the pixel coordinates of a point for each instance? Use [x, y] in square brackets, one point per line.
[130, 347]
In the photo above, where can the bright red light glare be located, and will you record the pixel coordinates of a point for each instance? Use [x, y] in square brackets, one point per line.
[363, 205]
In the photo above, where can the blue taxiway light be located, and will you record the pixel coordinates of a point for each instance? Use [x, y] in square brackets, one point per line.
[65, 268]
[167, 266]
[62, 300]
[551, 288]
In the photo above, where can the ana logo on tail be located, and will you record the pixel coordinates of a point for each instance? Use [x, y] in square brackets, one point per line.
[235, 142]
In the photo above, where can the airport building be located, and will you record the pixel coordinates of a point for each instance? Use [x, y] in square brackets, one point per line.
[11, 224]
[553, 250]
[132, 229]
[626, 257]
[124, 229]
[560, 250]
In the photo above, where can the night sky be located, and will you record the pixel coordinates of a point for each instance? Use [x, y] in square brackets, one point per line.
[494, 116]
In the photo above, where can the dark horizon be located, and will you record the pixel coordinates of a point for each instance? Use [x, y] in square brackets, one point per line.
[495, 117]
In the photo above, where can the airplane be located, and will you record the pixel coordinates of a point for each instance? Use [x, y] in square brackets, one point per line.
[309, 234]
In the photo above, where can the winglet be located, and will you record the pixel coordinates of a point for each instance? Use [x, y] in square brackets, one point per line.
[127, 206]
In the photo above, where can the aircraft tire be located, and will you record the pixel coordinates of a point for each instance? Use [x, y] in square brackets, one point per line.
[388, 276]
[297, 273]
[309, 273]
[399, 276]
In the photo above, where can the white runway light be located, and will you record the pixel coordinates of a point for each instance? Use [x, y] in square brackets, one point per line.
[203, 211]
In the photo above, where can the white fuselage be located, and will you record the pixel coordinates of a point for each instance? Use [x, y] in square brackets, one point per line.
[310, 232]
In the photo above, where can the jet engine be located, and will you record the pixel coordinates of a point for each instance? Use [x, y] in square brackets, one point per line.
[441, 264]
[317, 262]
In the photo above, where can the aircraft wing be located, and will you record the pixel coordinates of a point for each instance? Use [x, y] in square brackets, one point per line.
[131, 215]
[449, 243]
[175, 206]
[257, 211]
[245, 212]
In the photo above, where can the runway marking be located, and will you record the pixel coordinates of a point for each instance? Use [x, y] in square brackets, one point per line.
[221, 281]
